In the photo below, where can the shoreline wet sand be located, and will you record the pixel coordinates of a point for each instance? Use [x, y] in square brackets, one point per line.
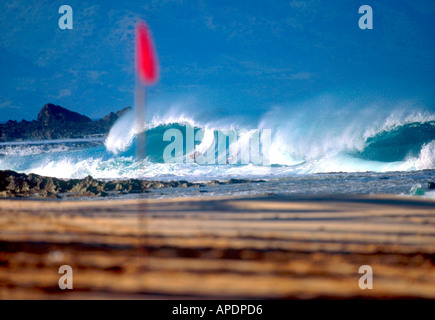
[271, 247]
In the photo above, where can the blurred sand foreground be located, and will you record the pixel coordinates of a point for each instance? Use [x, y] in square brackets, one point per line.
[218, 248]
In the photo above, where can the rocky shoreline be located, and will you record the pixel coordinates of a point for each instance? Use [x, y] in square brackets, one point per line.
[33, 186]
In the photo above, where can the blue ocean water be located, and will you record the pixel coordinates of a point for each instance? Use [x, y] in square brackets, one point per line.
[308, 154]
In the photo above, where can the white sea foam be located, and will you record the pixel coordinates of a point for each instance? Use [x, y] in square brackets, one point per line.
[315, 137]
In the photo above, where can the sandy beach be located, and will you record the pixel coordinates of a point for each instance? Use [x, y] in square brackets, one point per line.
[175, 150]
[273, 248]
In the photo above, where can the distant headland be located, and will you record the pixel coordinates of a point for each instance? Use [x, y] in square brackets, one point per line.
[55, 122]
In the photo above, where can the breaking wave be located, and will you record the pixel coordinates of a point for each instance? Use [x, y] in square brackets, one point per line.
[302, 142]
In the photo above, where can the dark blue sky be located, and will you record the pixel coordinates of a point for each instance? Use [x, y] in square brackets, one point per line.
[237, 57]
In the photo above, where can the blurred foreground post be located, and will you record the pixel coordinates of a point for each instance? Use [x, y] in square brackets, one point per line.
[146, 74]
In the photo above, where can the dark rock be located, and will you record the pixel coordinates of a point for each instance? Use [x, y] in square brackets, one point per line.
[51, 113]
[20, 185]
[133, 186]
[431, 185]
[120, 113]
[111, 117]
[46, 195]
[147, 185]
[183, 184]
[55, 122]
[236, 181]
[157, 185]
[88, 186]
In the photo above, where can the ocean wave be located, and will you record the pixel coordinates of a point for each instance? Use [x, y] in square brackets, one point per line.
[304, 140]
[23, 150]
[297, 140]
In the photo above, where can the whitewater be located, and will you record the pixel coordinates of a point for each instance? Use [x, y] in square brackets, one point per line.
[303, 143]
